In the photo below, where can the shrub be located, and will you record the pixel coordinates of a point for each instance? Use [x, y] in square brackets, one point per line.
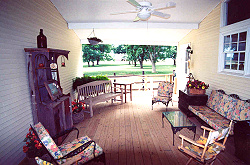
[86, 79]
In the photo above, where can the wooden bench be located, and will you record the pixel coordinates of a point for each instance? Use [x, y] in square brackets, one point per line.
[96, 92]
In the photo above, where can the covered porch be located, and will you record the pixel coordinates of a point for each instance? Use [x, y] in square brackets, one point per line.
[132, 133]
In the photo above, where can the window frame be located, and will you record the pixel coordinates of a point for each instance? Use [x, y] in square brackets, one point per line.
[242, 26]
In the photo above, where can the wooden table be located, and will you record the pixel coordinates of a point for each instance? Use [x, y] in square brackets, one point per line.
[125, 89]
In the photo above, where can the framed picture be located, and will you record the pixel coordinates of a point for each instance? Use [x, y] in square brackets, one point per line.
[53, 89]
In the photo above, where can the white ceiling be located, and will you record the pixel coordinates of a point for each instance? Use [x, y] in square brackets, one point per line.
[84, 15]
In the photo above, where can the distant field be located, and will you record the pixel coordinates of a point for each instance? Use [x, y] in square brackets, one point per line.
[123, 68]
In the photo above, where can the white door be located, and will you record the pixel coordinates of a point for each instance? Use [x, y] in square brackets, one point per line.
[182, 69]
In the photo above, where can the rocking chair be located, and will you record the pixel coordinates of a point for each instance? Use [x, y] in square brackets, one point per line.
[79, 151]
[205, 149]
[164, 93]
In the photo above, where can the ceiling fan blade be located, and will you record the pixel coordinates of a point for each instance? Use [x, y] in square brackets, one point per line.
[136, 19]
[125, 12]
[134, 3]
[160, 14]
[165, 6]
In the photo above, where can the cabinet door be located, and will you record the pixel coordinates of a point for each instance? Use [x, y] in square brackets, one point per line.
[68, 113]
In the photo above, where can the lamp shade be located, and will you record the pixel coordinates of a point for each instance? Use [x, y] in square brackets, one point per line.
[144, 14]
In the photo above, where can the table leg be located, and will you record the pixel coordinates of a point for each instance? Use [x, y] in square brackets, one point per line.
[125, 86]
[130, 92]
[175, 130]
[162, 121]
[173, 139]
[194, 130]
[115, 88]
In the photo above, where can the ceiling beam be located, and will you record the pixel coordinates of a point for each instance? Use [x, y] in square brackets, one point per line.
[133, 25]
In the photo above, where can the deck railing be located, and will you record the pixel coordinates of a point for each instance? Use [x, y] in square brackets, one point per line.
[143, 82]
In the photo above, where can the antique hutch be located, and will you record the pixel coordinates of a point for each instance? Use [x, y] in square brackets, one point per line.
[49, 105]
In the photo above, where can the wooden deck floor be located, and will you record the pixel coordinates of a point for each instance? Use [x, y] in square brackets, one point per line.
[132, 133]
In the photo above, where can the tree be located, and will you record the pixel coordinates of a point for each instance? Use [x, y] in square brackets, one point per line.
[142, 55]
[103, 49]
[88, 54]
[133, 52]
[156, 53]
[120, 49]
[92, 53]
[171, 53]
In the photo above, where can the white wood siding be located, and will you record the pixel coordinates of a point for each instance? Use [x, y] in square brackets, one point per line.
[204, 60]
[20, 21]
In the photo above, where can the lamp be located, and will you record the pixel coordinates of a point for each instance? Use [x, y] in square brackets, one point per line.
[144, 14]
[63, 62]
[189, 50]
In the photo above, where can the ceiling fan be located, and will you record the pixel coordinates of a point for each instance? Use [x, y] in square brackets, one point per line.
[145, 9]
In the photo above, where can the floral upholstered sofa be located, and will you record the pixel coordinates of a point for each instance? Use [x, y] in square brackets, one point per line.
[221, 108]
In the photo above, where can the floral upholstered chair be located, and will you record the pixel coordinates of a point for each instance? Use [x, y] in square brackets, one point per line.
[164, 93]
[79, 151]
[205, 150]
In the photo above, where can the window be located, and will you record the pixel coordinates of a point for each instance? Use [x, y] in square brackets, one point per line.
[234, 57]
[234, 51]
[237, 10]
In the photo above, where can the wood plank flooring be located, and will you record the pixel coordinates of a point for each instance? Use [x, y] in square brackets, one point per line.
[132, 133]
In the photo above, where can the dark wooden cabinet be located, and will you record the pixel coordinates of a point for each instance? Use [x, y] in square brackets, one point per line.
[186, 99]
[242, 140]
[54, 114]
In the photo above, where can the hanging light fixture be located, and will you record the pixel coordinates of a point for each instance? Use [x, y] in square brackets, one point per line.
[63, 62]
[93, 40]
[189, 50]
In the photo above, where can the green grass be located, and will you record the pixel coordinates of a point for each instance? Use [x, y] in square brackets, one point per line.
[125, 69]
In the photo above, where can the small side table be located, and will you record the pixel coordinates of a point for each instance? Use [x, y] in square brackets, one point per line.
[178, 121]
[125, 89]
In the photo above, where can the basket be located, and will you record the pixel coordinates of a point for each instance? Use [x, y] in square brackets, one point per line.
[77, 117]
[193, 91]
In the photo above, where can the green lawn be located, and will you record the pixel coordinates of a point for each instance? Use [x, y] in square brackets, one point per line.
[122, 68]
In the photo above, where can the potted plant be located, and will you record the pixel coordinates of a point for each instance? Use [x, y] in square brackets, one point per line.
[196, 87]
[33, 146]
[77, 109]
[94, 40]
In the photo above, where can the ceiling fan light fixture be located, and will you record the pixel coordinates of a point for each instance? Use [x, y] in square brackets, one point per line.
[144, 16]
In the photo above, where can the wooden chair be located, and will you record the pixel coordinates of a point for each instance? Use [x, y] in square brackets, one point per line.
[205, 149]
[164, 93]
[79, 151]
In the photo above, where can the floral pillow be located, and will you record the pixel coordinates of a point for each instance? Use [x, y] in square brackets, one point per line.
[48, 142]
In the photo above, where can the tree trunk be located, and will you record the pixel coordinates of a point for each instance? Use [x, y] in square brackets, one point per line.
[141, 64]
[88, 64]
[141, 61]
[97, 62]
[93, 63]
[153, 68]
[134, 63]
[174, 62]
